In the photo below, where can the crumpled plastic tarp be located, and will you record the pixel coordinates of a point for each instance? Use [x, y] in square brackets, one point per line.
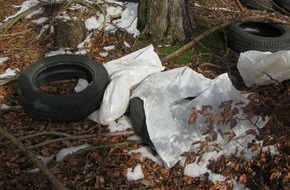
[125, 73]
[165, 94]
[255, 67]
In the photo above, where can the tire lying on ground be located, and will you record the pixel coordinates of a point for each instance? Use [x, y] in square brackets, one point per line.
[285, 4]
[258, 4]
[258, 35]
[62, 107]
[138, 118]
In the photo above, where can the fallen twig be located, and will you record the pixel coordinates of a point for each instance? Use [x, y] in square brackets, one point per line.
[62, 139]
[240, 6]
[70, 137]
[8, 80]
[117, 133]
[55, 182]
[7, 25]
[95, 147]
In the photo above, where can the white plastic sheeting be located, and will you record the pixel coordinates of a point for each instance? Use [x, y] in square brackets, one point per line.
[168, 111]
[125, 73]
[169, 130]
[255, 67]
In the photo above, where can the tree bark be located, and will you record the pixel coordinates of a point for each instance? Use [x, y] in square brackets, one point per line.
[165, 20]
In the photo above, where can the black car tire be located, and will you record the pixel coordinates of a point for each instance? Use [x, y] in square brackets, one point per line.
[67, 107]
[138, 118]
[258, 35]
[285, 4]
[258, 4]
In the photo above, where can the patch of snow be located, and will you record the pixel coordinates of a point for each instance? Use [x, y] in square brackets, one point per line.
[134, 138]
[4, 107]
[8, 73]
[108, 48]
[82, 84]
[121, 124]
[45, 160]
[238, 186]
[43, 29]
[78, 7]
[65, 151]
[146, 153]
[127, 44]
[87, 40]
[128, 19]
[40, 20]
[104, 54]
[36, 12]
[23, 7]
[135, 174]
[81, 52]
[60, 51]
[64, 16]
[94, 23]
[3, 60]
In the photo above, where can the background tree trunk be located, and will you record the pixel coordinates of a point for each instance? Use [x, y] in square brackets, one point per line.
[165, 20]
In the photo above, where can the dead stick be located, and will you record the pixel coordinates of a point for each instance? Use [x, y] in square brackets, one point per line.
[126, 143]
[117, 133]
[55, 182]
[87, 136]
[210, 31]
[62, 139]
[192, 42]
[240, 6]
[8, 24]
[8, 80]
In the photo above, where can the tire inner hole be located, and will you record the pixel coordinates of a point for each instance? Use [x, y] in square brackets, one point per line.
[62, 79]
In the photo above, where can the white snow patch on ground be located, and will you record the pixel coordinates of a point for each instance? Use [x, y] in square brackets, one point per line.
[134, 138]
[108, 48]
[8, 73]
[121, 124]
[65, 151]
[135, 174]
[3, 60]
[40, 20]
[146, 153]
[60, 51]
[23, 7]
[104, 54]
[127, 44]
[94, 23]
[128, 19]
[4, 107]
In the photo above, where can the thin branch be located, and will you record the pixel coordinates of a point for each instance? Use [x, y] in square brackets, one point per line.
[126, 143]
[8, 80]
[62, 139]
[55, 182]
[117, 133]
[87, 136]
[240, 6]
[7, 25]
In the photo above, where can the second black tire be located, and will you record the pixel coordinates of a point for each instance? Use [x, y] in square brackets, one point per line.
[258, 35]
[138, 118]
[68, 107]
[258, 4]
[285, 4]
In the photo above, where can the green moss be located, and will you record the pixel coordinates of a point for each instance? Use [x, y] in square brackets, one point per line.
[207, 47]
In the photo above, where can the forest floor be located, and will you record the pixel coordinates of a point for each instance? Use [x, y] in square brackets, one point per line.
[106, 167]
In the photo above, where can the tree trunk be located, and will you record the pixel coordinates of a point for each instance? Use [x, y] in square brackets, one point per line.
[165, 20]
